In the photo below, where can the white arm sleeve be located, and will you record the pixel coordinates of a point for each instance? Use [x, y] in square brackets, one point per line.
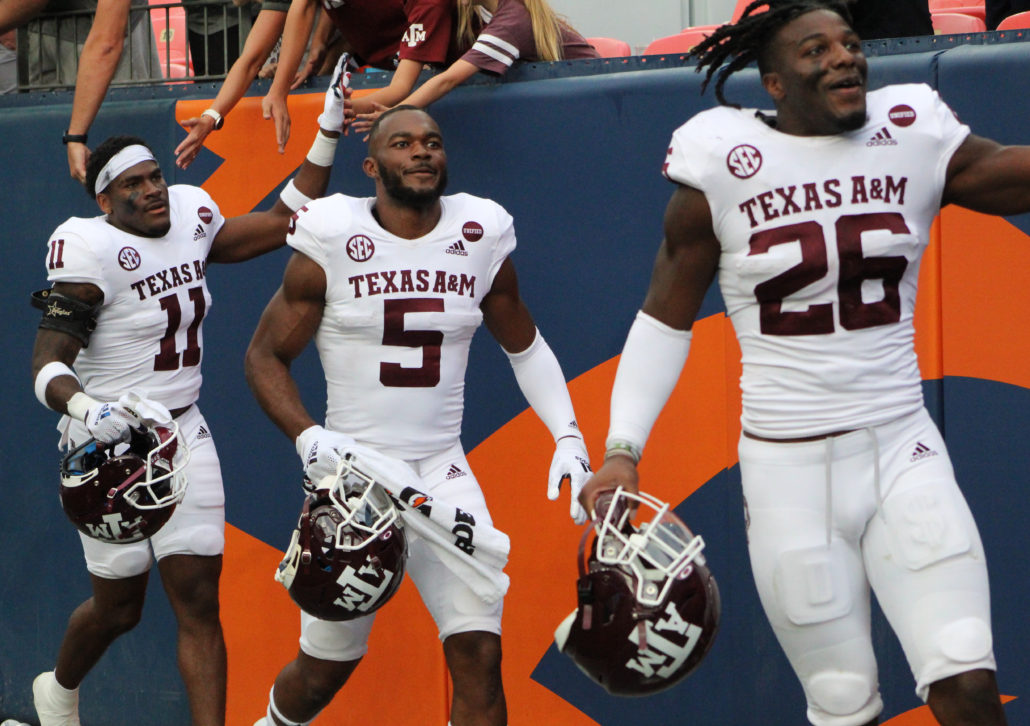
[543, 384]
[651, 362]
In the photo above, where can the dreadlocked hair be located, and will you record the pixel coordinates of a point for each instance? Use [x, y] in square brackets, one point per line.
[732, 47]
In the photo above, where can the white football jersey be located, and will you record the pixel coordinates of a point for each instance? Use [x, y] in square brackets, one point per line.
[148, 334]
[821, 242]
[400, 315]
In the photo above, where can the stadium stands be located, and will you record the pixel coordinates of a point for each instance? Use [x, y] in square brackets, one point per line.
[681, 42]
[611, 47]
[1014, 22]
[169, 24]
[956, 23]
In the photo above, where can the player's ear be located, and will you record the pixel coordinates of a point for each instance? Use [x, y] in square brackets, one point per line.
[370, 168]
[104, 202]
[773, 84]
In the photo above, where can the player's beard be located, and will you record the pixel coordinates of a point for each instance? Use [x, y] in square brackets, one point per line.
[418, 198]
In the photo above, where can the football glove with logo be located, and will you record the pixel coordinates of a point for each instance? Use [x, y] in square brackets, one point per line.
[571, 462]
[332, 116]
[322, 453]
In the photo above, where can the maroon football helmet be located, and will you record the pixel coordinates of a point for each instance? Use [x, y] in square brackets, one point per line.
[347, 554]
[125, 492]
[648, 606]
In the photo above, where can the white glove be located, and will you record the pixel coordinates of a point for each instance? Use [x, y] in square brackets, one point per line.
[331, 118]
[150, 412]
[570, 461]
[108, 423]
[321, 452]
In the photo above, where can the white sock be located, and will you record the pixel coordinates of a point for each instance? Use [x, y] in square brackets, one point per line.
[65, 697]
[273, 711]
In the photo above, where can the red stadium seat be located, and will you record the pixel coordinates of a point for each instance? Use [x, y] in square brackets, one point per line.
[954, 23]
[611, 47]
[1013, 22]
[681, 42]
[966, 7]
[739, 9]
[169, 26]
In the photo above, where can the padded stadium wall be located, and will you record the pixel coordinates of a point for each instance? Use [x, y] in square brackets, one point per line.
[574, 151]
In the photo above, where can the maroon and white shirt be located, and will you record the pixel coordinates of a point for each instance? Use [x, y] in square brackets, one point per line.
[148, 335]
[821, 243]
[381, 31]
[507, 36]
[399, 316]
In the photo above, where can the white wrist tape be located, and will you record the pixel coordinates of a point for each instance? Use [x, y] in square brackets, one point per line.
[651, 362]
[52, 370]
[542, 383]
[79, 405]
[293, 197]
[323, 150]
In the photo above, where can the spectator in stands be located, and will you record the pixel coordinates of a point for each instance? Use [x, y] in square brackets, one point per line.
[262, 38]
[216, 32]
[890, 18]
[398, 35]
[998, 10]
[497, 33]
[97, 65]
[15, 13]
[55, 45]
[8, 63]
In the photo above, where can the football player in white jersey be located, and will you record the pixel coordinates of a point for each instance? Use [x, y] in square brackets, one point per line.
[815, 218]
[128, 299]
[392, 288]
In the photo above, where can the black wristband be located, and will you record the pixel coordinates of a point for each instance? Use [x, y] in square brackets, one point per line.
[73, 138]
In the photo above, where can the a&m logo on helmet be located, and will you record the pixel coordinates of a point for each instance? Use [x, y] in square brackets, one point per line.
[744, 161]
[115, 527]
[362, 589]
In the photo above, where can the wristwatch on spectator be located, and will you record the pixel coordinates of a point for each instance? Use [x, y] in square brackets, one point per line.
[214, 116]
[67, 138]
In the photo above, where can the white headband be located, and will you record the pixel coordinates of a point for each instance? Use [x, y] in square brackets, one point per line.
[127, 157]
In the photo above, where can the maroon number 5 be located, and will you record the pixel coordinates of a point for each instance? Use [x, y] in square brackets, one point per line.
[854, 270]
[168, 358]
[394, 333]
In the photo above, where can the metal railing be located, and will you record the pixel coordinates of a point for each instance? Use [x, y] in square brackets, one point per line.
[164, 43]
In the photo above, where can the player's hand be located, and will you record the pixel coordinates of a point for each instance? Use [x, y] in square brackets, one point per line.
[147, 410]
[571, 462]
[334, 111]
[274, 107]
[198, 127]
[321, 452]
[111, 422]
[362, 123]
[78, 155]
[615, 472]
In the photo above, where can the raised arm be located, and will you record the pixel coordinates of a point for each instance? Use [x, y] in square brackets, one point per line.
[251, 235]
[295, 38]
[263, 35]
[286, 327]
[242, 238]
[97, 64]
[432, 90]
[401, 83]
[987, 177]
[659, 339]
